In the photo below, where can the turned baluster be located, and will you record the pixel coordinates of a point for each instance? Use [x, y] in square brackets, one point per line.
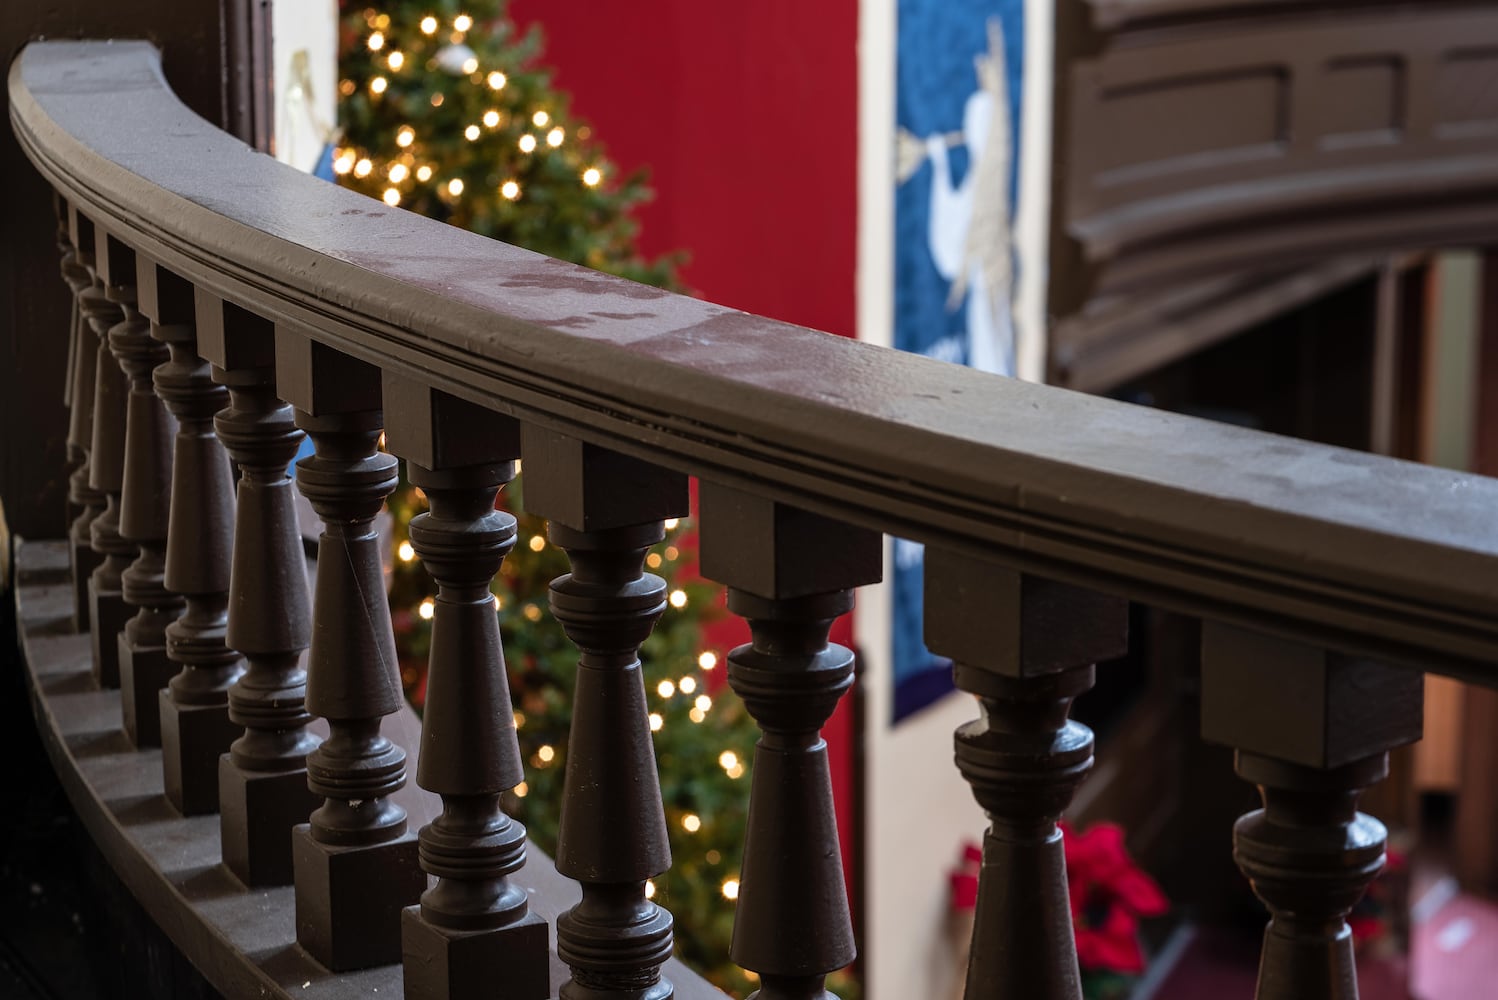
[1026, 647]
[472, 936]
[85, 500]
[188, 699]
[356, 863]
[790, 573]
[107, 612]
[1312, 729]
[262, 780]
[144, 500]
[606, 510]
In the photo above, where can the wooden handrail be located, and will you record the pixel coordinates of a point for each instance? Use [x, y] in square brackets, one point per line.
[1339, 549]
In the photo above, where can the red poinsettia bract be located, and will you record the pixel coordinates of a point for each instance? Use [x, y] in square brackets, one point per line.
[1109, 894]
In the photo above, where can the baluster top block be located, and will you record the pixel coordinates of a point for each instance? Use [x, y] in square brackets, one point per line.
[161, 295]
[437, 431]
[1368, 555]
[319, 380]
[589, 488]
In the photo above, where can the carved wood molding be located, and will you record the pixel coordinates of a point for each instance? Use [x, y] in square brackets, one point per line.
[1344, 550]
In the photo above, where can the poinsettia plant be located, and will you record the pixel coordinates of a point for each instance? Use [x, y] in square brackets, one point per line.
[1109, 895]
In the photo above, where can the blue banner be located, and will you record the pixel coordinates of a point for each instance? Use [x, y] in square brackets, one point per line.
[959, 79]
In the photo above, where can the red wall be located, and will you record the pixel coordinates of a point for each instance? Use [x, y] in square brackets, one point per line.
[746, 115]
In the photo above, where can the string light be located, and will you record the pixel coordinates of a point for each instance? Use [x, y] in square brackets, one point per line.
[730, 888]
[429, 25]
[406, 551]
[345, 162]
[697, 715]
[656, 722]
[728, 760]
[427, 609]
[363, 167]
[665, 689]
[540, 118]
[672, 552]
[713, 857]
[532, 613]
[491, 118]
[672, 522]
[527, 143]
[498, 603]
[471, 133]
[554, 137]
[455, 186]
[510, 190]
[519, 718]
[653, 560]
[736, 772]
[398, 172]
[470, 65]
[708, 660]
[592, 176]
[405, 136]
[378, 85]
[396, 60]
[521, 790]
[391, 197]
[423, 173]
[537, 543]
[691, 822]
[462, 22]
[687, 685]
[437, 100]
[678, 599]
[649, 889]
[376, 42]
[497, 80]
[703, 702]
[382, 21]
[547, 753]
[347, 87]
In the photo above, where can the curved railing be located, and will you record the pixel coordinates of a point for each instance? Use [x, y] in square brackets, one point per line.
[1313, 567]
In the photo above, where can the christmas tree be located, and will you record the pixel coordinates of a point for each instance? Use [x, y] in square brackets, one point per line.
[445, 112]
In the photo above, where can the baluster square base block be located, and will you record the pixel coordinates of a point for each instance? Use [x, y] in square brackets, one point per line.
[349, 899]
[505, 963]
[144, 671]
[107, 614]
[193, 737]
[257, 811]
[82, 561]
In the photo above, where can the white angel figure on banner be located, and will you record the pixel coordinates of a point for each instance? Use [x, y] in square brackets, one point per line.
[969, 229]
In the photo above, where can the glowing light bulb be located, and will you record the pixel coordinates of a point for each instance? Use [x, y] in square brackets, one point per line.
[405, 136]
[437, 100]
[471, 133]
[521, 790]
[344, 163]
[728, 760]
[455, 186]
[656, 722]
[396, 60]
[547, 753]
[363, 167]
[378, 85]
[497, 80]
[406, 551]
[519, 718]
[672, 552]
[491, 118]
[554, 137]
[691, 822]
[730, 888]
[736, 772]
[665, 689]
[398, 172]
[392, 197]
[470, 66]
[653, 560]
[703, 703]
[376, 42]
[532, 613]
[423, 173]
[592, 176]
[347, 87]
[462, 22]
[687, 685]
[427, 609]
[678, 598]
[697, 715]
[649, 889]
[708, 660]
[672, 522]
[510, 190]
[429, 25]
[498, 603]
[540, 118]
[537, 543]
[527, 143]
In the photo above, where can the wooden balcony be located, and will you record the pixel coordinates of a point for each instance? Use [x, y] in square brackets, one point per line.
[235, 741]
